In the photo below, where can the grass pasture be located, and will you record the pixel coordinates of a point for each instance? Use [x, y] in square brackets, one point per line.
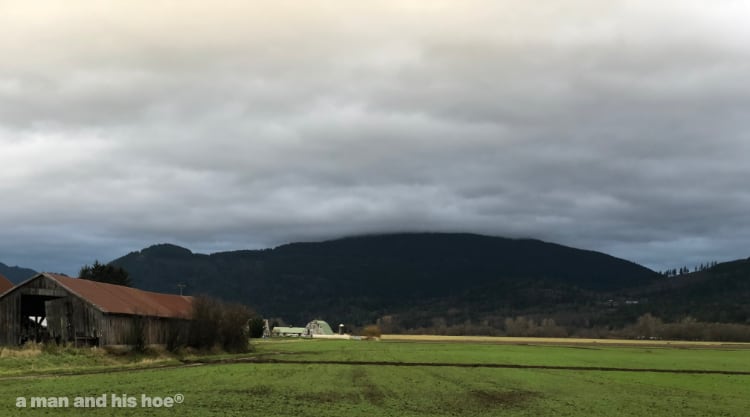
[350, 378]
[525, 352]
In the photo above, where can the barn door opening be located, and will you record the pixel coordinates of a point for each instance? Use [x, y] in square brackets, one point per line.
[34, 325]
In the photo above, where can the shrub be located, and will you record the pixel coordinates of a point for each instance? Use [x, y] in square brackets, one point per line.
[256, 326]
[233, 332]
[372, 331]
[219, 324]
[204, 328]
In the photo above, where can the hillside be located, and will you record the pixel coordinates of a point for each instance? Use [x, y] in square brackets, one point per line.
[16, 274]
[359, 279]
[718, 294]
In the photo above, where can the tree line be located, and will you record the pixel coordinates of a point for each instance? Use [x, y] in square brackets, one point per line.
[646, 326]
[684, 270]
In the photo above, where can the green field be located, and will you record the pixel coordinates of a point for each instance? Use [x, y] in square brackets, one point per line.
[581, 355]
[312, 387]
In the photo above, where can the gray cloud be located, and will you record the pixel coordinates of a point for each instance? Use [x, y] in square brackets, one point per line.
[614, 126]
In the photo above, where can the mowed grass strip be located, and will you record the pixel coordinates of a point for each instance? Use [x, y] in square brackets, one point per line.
[663, 358]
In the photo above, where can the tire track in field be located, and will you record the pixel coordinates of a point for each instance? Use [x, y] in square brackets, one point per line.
[480, 365]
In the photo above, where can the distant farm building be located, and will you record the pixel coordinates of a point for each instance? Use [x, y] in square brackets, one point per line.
[5, 284]
[288, 331]
[318, 327]
[55, 307]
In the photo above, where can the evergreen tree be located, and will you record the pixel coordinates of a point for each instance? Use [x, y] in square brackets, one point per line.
[105, 273]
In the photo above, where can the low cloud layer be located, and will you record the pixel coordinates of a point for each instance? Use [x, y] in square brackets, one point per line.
[614, 126]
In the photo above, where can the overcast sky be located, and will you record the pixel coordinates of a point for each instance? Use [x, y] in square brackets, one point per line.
[617, 126]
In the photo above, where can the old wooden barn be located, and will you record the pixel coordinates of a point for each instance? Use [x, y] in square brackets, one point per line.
[50, 307]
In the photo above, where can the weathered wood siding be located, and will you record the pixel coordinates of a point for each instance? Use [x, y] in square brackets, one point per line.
[70, 319]
[121, 329]
[10, 323]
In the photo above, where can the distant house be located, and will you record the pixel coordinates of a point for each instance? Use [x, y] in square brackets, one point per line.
[288, 331]
[5, 284]
[55, 307]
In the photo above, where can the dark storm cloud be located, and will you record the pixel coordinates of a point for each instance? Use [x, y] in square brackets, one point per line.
[618, 127]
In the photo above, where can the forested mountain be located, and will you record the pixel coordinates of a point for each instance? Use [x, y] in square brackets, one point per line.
[718, 294]
[361, 279]
[16, 274]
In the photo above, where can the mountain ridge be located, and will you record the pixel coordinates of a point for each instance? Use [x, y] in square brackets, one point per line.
[361, 277]
[433, 280]
[16, 274]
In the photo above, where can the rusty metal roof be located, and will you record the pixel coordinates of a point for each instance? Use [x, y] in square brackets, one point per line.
[5, 284]
[118, 299]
